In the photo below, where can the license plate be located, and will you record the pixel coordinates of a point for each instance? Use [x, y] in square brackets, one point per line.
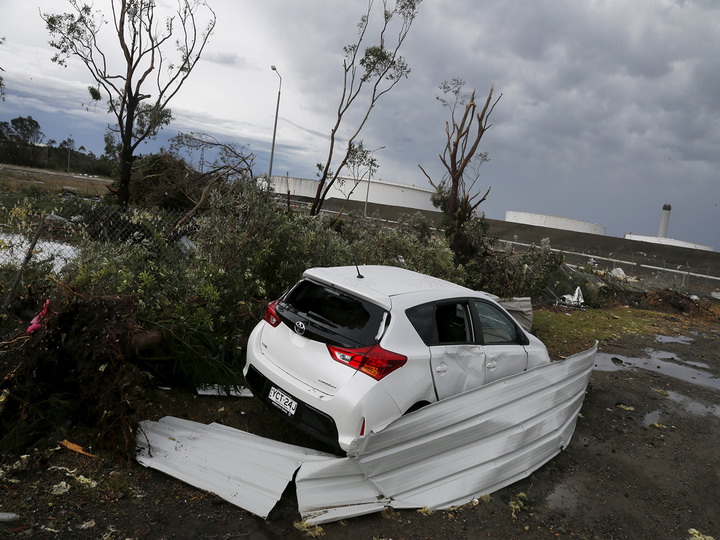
[282, 400]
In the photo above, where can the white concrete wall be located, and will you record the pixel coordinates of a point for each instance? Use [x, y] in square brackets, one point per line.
[667, 242]
[379, 192]
[554, 222]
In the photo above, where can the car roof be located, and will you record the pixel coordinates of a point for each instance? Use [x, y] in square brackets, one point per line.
[379, 284]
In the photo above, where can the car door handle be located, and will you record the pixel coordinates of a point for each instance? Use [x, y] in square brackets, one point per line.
[442, 368]
[492, 365]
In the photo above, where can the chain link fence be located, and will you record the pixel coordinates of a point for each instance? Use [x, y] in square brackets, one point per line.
[652, 268]
[51, 232]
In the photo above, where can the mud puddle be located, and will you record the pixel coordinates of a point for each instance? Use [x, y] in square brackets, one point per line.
[688, 404]
[667, 363]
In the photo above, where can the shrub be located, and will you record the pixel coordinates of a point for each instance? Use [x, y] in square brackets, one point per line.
[505, 272]
[176, 292]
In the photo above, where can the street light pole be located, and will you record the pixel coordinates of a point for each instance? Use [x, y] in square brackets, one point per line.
[277, 110]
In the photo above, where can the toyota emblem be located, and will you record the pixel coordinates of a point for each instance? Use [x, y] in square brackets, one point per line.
[300, 328]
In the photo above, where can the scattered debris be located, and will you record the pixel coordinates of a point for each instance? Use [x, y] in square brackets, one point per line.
[3, 399]
[517, 504]
[618, 273]
[75, 448]
[218, 390]
[313, 531]
[39, 321]
[572, 300]
[60, 489]
[697, 535]
[56, 385]
[661, 426]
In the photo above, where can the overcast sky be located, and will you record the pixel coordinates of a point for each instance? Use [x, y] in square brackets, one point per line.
[610, 108]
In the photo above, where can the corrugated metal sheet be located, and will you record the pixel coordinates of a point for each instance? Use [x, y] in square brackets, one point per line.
[249, 471]
[442, 455]
[463, 447]
[521, 310]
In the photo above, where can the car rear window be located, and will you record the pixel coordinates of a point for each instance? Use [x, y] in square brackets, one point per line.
[333, 316]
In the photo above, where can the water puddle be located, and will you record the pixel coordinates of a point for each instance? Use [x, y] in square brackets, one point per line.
[693, 406]
[687, 373]
[652, 418]
[684, 340]
[688, 404]
[562, 498]
[660, 355]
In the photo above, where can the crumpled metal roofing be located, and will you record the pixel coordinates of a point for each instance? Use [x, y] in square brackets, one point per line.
[443, 455]
[249, 471]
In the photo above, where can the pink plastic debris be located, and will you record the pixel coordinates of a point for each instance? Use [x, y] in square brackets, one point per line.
[37, 322]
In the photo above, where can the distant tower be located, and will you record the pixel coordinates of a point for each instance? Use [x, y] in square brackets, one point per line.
[664, 220]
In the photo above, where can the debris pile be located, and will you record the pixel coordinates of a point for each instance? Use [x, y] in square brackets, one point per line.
[75, 371]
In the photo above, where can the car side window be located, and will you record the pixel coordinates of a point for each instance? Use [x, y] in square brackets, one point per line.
[496, 326]
[440, 323]
[422, 319]
[452, 322]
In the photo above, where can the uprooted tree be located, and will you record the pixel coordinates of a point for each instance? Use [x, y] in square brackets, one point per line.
[148, 72]
[455, 193]
[368, 75]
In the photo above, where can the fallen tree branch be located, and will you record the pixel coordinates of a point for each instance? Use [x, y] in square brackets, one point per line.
[23, 266]
[67, 288]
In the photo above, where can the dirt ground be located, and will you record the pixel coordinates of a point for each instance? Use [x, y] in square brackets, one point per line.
[644, 462]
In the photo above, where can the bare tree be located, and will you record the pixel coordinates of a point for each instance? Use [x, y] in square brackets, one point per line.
[463, 133]
[368, 75]
[152, 69]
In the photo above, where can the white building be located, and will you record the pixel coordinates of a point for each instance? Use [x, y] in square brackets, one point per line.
[375, 191]
[554, 222]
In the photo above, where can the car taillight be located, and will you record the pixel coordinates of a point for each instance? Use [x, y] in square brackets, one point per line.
[373, 360]
[271, 315]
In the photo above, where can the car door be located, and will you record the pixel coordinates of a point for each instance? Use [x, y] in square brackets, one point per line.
[502, 341]
[457, 360]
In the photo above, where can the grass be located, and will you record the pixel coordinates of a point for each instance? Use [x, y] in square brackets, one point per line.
[566, 332]
[25, 182]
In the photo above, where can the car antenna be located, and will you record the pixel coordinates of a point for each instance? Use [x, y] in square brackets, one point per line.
[360, 276]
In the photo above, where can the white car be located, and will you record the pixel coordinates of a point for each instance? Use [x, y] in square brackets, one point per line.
[350, 349]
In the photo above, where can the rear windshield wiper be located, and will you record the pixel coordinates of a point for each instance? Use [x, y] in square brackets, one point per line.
[320, 318]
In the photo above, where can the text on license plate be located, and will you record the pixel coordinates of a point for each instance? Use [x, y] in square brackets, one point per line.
[282, 400]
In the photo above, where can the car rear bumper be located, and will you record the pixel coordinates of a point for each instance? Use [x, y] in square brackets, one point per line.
[307, 418]
[361, 406]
